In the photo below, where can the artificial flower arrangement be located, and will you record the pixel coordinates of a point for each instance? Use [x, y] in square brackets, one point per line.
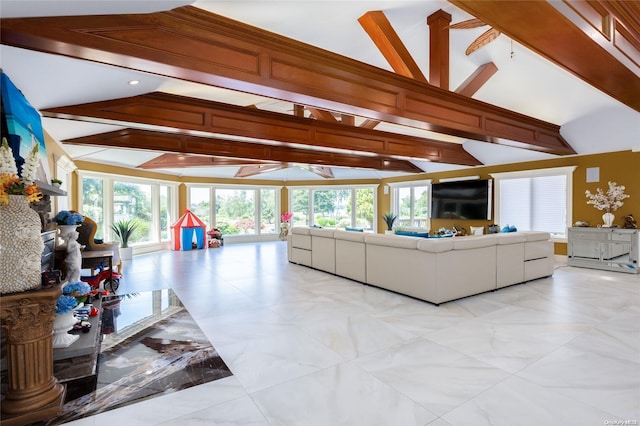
[65, 217]
[79, 291]
[65, 304]
[286, 217]
[609, 201]
[13, 184]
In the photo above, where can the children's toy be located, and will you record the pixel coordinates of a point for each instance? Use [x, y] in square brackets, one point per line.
[111, 279]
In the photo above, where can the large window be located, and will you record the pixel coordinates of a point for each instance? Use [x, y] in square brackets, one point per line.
[410, 202]
[237, 210]
[535, 200]
[335, 207]
[108, 199]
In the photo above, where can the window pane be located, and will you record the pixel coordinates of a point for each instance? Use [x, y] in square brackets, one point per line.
[404, 207]
[92, 202]
[300, 202]
[165, 216]
[364, 208]
[420, 206]
[200, 204]
[235, 211]
[515, 203]
[268, 211]
[132, 200]
[330, 208]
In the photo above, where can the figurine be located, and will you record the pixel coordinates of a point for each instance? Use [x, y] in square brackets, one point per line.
[629, 222]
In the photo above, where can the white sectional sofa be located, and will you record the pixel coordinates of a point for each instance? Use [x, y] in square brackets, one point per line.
[436, 270]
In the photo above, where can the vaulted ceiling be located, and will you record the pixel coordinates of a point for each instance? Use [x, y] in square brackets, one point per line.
[327, 90]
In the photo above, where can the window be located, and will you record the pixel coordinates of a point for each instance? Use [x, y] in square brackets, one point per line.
[334, 207]
[410, 202]
[535, 200]
[108, 199]
[237, 210]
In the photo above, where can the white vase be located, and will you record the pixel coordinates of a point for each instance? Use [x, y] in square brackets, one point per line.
[62, 323]
[65, 232]
[284, 230]
[608, 219]
[126, 253]
[389, 231]
[21, 246]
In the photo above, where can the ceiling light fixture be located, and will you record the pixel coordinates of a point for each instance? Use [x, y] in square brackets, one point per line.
[134, 82]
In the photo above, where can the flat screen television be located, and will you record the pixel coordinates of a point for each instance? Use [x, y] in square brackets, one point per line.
[467, 199]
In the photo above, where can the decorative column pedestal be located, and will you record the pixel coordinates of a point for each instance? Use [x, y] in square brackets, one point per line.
[33, 393]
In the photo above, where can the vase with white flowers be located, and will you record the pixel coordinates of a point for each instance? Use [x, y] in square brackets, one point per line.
[20, 242]
[609, 201]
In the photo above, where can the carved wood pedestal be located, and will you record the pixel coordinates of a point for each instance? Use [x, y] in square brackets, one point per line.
[33, 393]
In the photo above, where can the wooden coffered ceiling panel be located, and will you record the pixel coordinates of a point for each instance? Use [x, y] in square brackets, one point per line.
[183, 113]
[188, 144]
[191, 44]
[542, 28]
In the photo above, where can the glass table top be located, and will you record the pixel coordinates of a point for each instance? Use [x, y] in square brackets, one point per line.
[150, 345]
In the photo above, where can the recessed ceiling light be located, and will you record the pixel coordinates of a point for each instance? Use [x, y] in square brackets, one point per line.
[134, 82]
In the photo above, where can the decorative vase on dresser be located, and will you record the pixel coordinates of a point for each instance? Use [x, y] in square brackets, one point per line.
[20, 246]
[608, 219]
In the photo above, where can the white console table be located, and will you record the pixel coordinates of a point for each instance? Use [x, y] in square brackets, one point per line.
[613, 249]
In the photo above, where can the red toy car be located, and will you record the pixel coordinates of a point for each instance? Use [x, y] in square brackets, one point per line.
[111, 279]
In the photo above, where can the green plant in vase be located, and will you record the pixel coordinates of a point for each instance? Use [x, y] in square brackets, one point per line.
[389, 218]
[123, 229]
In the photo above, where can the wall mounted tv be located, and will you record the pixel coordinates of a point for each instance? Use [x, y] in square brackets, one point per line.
[466, 199]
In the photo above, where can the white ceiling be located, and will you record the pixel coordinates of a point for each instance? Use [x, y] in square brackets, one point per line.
[592, 122]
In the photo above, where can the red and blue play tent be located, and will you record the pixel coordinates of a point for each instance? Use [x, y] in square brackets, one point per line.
[187, 230]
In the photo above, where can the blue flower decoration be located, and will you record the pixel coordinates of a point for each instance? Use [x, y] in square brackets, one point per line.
[78, 288]
[65, 304]
[65, 217]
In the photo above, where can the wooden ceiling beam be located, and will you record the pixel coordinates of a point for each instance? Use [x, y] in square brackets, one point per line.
[476, 80]
[439, 48]
[539, 26]
[376, 24]
[257, 169]
[320, 114]
[181, 161]
[189, 43]
[189, 114]
[188, 144]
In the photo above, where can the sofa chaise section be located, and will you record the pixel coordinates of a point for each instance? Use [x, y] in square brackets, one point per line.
[396, 264]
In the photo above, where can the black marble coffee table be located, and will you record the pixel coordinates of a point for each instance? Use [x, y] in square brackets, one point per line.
[150, 345]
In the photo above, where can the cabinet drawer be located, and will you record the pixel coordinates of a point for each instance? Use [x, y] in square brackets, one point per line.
[617, 236]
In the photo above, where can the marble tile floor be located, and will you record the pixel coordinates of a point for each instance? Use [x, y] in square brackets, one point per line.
[309, 348]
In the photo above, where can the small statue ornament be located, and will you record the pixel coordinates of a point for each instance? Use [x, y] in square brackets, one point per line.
[630, 222]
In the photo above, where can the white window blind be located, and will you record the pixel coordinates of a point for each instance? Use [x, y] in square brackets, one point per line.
[536, 200]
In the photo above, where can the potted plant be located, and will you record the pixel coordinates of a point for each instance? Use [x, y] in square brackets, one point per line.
[123, 230]
[56, 182]
[389, 218]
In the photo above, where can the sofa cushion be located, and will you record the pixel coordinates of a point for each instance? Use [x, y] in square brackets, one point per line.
[536, 235]
[392, 241]
[349, 236]
[435, 245]
[412, 234]
[353, 229]
[322, 232]
[300, 230]
[466, 243]
[511, 238]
